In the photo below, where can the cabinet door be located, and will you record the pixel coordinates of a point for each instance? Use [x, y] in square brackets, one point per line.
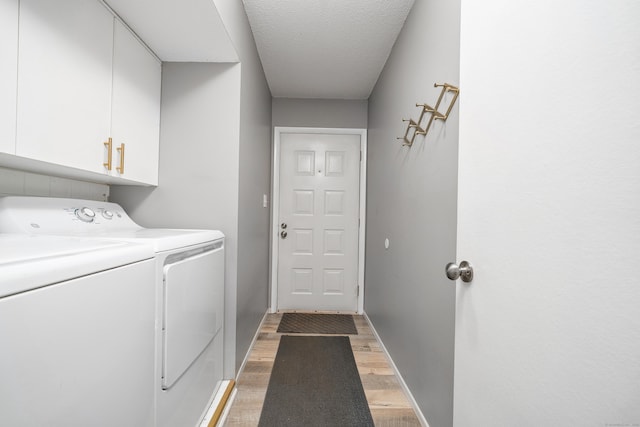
[8, 71]
[64, 82]
[135, 108]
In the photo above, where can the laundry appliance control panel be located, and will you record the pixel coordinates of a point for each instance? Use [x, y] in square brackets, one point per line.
[43, 215]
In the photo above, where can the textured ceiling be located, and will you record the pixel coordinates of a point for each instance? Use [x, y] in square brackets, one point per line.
[325, 48]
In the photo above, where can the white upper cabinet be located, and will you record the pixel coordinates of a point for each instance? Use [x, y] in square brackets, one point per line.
[64, 82]
[8, 71]
[135, 111]
[82, 79]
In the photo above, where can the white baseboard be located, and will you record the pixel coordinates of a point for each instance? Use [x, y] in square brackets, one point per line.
[403, 384]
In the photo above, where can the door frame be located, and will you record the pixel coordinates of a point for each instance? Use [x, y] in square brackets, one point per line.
[275, 205]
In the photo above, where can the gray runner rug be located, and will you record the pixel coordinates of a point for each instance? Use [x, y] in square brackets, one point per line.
[315, 382]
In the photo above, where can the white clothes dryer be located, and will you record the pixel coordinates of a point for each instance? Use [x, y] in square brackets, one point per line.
[77, 332]
[189, 286]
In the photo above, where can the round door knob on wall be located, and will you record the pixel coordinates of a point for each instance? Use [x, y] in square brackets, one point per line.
[463, 271]
[283, 226]
[283, 234]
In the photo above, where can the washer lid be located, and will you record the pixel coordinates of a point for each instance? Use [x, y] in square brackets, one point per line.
[63, 217]
[29, 262]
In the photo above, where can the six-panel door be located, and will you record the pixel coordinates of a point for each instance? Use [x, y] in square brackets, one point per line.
[318, 212]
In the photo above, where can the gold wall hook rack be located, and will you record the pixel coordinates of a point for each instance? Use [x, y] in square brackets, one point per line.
[433, 112]
[446, 88]
[417, 130]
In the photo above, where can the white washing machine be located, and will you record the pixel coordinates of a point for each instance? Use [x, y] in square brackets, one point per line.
[189, 286]
[76, 332]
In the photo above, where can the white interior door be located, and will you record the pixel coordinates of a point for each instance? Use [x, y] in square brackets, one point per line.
[548, 332]
[318, 222]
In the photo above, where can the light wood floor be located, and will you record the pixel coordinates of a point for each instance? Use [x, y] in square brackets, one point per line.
[387, 401]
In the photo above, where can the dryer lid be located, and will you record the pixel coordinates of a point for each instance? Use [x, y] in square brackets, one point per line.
[166, 239]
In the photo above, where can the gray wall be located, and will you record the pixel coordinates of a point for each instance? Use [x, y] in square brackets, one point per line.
[322, 113]
[215, 168]
[411, 201]
[199, 157]
[254, 179]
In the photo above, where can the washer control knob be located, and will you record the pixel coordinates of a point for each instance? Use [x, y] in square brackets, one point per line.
[107, 214]
[85, 214]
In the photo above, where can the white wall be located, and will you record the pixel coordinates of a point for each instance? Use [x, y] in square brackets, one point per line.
[548, 334]
[254, 179]
[412, 201]
[199, 162]
[322, 113]
[19, 183]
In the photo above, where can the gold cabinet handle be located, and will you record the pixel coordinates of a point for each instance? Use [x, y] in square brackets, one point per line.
[109, 145]
[120, 168]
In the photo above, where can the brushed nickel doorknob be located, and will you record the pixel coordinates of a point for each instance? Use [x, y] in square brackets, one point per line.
[283, 234]
[463, 271]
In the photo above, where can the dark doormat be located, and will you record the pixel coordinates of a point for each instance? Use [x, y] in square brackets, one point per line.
[315, 382]
[303, 323]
